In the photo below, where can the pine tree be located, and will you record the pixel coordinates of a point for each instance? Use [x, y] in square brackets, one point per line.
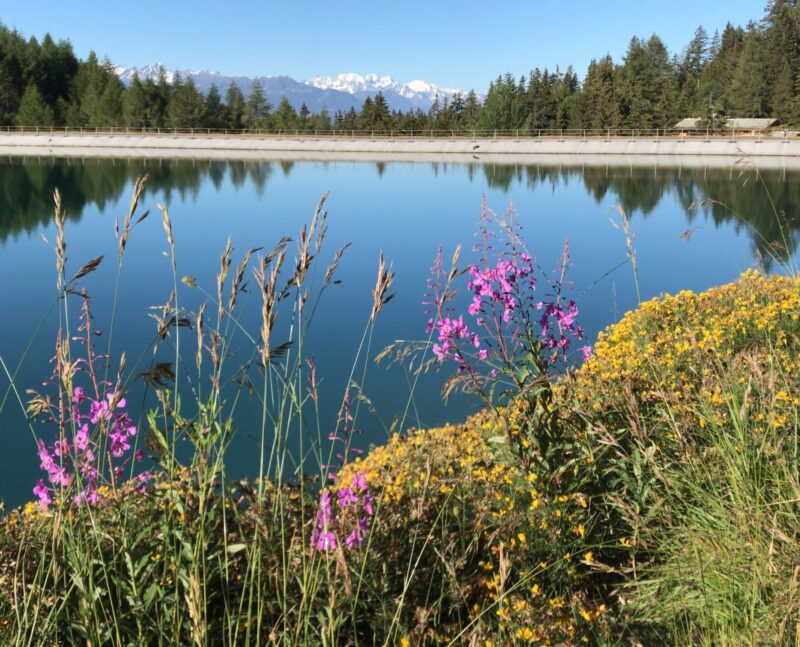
[214, 112]
[234, 104]
[321, 121]
[257, 107]
[10, 85]
[134, 104]
[33, 110]
[597, 106]
[695, 54]
[433, 112]
[717, 73]
[186, 105]
[748, 91]
[285, 117]
[503, 108]
[471, 112]
[783, 94]
[381, 119]
[110, 107]
[303, 116]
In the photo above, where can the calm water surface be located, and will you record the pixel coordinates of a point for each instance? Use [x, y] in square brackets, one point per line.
[404, 210]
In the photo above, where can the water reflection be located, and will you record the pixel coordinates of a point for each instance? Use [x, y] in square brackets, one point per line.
[760, 204]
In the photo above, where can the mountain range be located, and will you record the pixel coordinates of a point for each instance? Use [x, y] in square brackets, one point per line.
[341, 92]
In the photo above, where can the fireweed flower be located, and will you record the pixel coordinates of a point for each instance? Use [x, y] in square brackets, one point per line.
[42, 492]
[355, 508]
[514, 324]
[74, 461]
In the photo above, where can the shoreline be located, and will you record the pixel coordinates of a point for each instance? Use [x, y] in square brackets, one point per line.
[646, 151]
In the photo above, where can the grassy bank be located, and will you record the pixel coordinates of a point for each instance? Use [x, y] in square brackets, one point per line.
[649, 496]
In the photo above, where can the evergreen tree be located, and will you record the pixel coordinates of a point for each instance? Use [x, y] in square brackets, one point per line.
[783, 94]
[716, 77]
[597, 106]
[10, 84]
[471, 112]
[186, 105]
[214, 113]
[695, 55]
[285, 117]
[503, 106]
[134, 104]
[350, 120]
[748, 90]
[433, 112]
[33, 110]
[257, 108]
[642, 77]
[110, 106]
[383, 120]
[235, 105]
[303, 117]
[321, 121]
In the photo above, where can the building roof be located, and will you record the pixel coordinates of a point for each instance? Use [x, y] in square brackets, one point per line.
[751, 124]
[693, 123]
[690, 123]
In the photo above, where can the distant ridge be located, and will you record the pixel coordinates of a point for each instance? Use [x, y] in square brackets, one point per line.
[341, 92]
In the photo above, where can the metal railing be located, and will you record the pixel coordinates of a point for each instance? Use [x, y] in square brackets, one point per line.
[527, 134]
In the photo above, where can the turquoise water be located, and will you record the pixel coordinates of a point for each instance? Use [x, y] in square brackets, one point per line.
[404, 210]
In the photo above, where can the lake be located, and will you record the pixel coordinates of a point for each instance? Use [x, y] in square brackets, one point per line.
[404, 210]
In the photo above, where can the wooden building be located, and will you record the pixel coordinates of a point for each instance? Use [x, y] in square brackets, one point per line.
[746, 127]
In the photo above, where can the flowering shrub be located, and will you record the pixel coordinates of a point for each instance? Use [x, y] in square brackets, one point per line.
[511, 544]
[672, 351]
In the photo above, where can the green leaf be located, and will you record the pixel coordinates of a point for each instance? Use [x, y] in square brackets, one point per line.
[235, 548]
[150, 594]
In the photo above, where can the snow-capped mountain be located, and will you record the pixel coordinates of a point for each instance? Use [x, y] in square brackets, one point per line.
[332, 93]
[418, 92]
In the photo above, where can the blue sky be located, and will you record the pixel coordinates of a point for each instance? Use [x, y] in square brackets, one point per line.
[458, 44]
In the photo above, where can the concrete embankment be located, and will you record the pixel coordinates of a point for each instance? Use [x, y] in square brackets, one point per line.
[764, 152]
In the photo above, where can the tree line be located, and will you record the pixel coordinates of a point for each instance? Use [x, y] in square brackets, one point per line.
[751, 71]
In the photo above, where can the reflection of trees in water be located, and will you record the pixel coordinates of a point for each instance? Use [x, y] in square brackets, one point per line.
[722, 195]
[26, 186]
[725, 196]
